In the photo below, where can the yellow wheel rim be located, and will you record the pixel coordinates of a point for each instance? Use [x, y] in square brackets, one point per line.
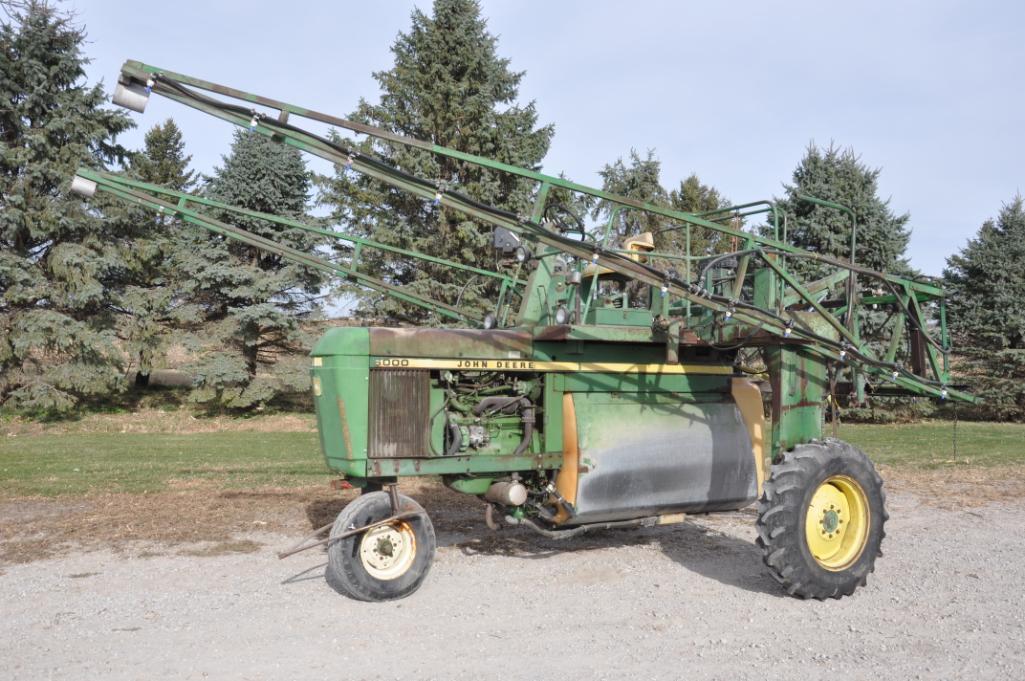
[388, 551]
[837, 521]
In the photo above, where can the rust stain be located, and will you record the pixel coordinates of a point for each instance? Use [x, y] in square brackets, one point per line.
[558, 332]
[346, 435]
[426, 342]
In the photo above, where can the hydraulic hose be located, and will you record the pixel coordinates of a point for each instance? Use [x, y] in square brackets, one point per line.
[510, 404]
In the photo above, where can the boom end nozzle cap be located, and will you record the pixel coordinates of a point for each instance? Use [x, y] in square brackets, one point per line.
[131, 96]
[83, 187]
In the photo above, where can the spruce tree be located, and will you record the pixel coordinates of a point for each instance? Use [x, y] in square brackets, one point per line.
[163, 159]
[693, 196]
[249, 345]
[150, 295]
[640, 178]
[58, 258]
[448, 86]
[986, 312]
[839, 175]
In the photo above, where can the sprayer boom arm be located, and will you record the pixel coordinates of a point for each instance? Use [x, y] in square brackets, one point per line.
[831, 339]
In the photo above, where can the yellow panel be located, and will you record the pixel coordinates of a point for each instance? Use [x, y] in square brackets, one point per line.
[536, 365]
[749, 400]
[671, 518]
[566, 480]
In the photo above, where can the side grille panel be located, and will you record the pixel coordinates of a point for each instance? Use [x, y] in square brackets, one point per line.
[399, 413]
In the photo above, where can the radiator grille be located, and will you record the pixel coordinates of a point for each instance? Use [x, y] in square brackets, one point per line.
[399, 413]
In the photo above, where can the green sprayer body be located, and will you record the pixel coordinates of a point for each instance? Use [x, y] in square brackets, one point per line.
[611, 380]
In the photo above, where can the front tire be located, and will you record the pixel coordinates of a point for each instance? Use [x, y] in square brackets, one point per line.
[386, 562]
[821, 520]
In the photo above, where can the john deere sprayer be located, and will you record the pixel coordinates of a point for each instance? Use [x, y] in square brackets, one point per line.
[610, 385]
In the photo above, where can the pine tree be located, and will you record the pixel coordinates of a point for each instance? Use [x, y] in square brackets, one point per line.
[692, 196]
[150, 295]
[163, 160]
[986, 309]
[640, 179]
[450, 87]
[839, 175]
[251, 301]
[58, 258]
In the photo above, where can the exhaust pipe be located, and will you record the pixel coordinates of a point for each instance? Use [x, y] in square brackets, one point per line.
[507, 493]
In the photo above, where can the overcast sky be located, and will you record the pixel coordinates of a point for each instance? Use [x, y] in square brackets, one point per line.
[931, 92]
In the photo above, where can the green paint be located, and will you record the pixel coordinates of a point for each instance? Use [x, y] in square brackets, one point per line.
[758, 300]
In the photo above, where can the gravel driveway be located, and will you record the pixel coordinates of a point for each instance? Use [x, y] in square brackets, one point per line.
[686, 602]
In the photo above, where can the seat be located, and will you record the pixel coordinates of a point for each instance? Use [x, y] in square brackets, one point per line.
[639, 243]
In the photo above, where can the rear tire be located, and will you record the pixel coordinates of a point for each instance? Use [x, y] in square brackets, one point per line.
[384, 563]
[821, 520]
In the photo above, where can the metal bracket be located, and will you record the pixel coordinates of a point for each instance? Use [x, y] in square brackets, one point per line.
[393, 496]
[673, 343]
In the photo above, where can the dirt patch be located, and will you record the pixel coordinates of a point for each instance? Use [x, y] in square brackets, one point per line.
[197, 518]
[182, 517]
[958, 487]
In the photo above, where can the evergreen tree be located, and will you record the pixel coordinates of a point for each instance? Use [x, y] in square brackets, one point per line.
[839, 175]
[640, 179]
[163, 160]
[692, 196]
[58, 259]
[448, 86]
[986, 309]
[251, 301]
[150, 294]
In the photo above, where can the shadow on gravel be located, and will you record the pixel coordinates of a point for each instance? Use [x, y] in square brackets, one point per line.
[459, 524]
[312, 573]
[711, 554]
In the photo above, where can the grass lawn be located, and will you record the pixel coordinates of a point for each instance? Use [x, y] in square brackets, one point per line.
[931, 444]
[74, 463]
